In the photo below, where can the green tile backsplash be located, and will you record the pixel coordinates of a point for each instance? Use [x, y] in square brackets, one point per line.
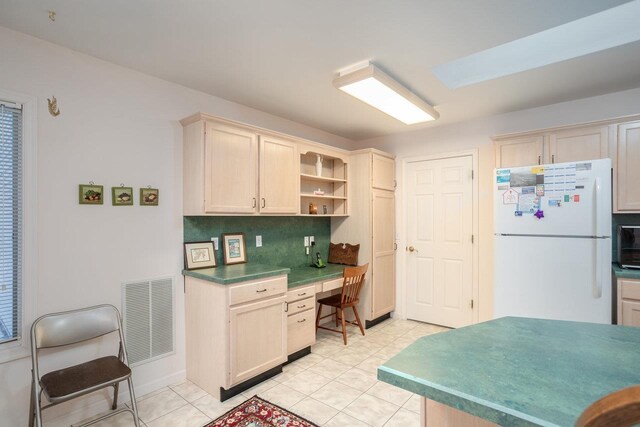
[282, 237]
[621, 219]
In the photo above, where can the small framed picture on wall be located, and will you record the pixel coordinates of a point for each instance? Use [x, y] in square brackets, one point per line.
[199, 255]
[235, 251]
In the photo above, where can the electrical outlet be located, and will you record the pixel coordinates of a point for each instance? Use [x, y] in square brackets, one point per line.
[312, 239]
[215, 242]
[258, 241]
[306, 241]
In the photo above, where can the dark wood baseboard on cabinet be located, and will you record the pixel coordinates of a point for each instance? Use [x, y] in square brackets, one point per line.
[371, 323]
[246, 385]
[298, 354]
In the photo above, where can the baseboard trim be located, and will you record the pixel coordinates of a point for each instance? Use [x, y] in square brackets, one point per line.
[371, 323]
[299, 354]
[226, 394]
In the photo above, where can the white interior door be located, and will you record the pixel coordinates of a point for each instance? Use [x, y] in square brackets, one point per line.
[439, 218]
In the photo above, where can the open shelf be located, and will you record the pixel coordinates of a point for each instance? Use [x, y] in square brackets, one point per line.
[332, 180]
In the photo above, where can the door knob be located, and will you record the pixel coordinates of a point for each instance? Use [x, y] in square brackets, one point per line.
[412, 249]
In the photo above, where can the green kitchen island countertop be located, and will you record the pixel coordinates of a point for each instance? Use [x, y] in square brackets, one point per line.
[230, 274]
[625, 273]
[518, 371]
[304, 275]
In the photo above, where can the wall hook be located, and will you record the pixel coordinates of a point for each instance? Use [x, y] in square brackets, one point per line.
[52, 15]
[53, 106]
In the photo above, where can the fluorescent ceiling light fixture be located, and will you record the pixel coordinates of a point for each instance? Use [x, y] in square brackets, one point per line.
[610, 28]
[377, 89]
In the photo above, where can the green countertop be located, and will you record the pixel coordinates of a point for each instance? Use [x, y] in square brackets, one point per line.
[229, 274]
[518, 371]
[304, 275]
[297, 276]
[626, 273]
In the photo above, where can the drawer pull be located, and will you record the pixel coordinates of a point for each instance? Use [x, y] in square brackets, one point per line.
[264, 290]
[303, 320]
[302, 294]
[302, 306]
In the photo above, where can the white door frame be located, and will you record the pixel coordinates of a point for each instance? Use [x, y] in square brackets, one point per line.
[401, 229]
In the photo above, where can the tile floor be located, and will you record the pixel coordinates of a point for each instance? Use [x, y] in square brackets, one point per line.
[334, 386]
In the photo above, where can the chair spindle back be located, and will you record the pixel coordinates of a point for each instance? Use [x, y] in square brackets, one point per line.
[353, 281]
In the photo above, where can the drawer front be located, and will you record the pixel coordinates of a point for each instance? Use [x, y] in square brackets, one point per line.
[301, 293]
[255, 290]
[330, 285]
[630, 289]
[302, 305]
[301, 331]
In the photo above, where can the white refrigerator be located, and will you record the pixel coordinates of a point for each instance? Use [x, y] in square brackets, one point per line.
[552, 248]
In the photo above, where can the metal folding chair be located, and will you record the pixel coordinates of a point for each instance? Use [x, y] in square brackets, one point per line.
[71, 327]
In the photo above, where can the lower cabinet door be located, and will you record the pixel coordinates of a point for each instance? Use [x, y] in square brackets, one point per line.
[301, 331]
[630, 313]
[257, 338]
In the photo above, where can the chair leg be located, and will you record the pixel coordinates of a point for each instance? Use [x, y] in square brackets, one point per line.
[355, 311]
[344, 326]
[32, 407]
[38, 408]
[134, 405]
[114, 406]
[336, 313]
[318, 317]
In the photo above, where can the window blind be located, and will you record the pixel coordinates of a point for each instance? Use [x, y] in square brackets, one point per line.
[10, 221]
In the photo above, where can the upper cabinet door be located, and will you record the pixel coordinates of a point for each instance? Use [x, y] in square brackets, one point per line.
[628, 174]
[574, 145]
[384, 172]
[231, 163]
[520, 152]
[279, 176]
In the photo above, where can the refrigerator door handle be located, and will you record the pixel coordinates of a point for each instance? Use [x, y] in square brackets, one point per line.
[598, 279]
[596, 203]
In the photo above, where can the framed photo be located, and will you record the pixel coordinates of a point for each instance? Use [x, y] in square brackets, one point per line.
[235, 251]
[122, 196]
[149, 196]
[199, 255]
[91, 194]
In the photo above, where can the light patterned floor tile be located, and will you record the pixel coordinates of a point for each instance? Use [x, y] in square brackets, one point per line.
[124, 419]
[390, 393]
[186, 416]
[413, 404]
[387, 352]
[344, 420]
[314, 411]
[358, 379]
[159, 405]
[336, 395]
[371, 410]
[404, 418]
[329, 368]
[307, 382]
[282, 395]
[189, 391]
[148, 395]
[371, 364]
[213, 408]
[350, 357]
[259, 388]
[326, 348]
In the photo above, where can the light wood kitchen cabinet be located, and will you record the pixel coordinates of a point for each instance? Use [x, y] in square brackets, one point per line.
[384, 172]
[628, 302]
[278, 176]
[372, 225]
[301, 318]
[577, 144]
[234, 332]
[523, 151]
[627, 175]
[234, 169]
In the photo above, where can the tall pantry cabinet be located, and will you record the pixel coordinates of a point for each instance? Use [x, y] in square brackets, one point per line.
[372, 224]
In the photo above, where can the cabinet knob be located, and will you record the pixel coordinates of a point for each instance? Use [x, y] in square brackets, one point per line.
[254, 203]
[264, 203]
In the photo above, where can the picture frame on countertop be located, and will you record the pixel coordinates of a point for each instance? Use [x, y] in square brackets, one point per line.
[149, 196]
[234, 248]
[122, 196]
[91, 194]
[199, 255]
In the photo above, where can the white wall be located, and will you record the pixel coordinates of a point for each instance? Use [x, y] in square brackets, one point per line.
[116, 126]
[477, 134]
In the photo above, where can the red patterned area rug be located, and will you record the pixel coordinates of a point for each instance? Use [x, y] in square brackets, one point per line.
[257, 412]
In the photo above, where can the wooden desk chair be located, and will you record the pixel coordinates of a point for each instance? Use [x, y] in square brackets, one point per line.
[351, 286]
[72, 327]
[620, 408]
